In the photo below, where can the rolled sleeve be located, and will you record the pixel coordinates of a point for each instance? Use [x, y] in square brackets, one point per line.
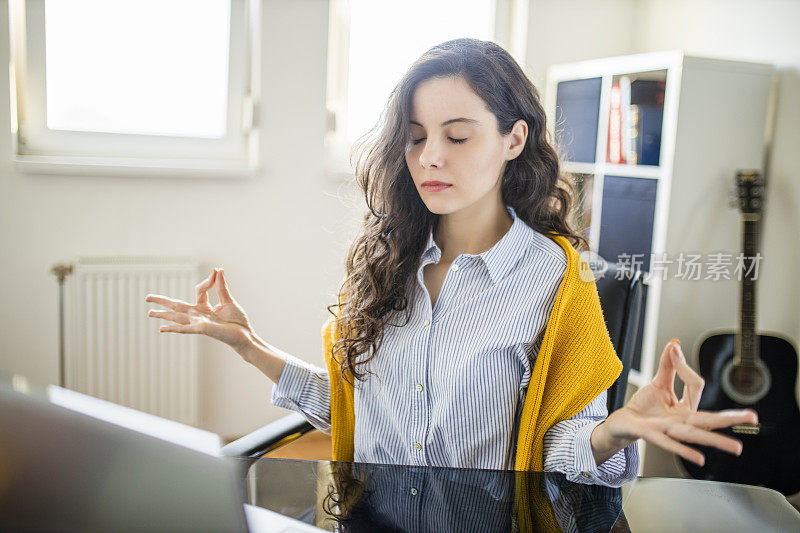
[304, 388]
[615, 471]
[568, 449]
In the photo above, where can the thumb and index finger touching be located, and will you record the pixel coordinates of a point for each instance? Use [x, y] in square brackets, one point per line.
[673, 362]
[693, 383]
[216, 279]
[223, 293]
[665, 375]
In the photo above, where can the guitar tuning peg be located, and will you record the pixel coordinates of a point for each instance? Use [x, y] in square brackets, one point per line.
[733, 199]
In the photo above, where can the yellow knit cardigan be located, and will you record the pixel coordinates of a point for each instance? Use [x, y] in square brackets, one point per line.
[576, 362]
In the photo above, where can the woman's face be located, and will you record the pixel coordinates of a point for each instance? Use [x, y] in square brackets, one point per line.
[454, 140]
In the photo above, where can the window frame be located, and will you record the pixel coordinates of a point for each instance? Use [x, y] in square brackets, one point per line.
[511, 29]
[38, 149]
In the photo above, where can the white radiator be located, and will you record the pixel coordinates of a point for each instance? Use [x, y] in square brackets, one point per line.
[114, 351]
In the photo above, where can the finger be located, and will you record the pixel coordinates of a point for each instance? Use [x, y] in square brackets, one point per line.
[665, 376]
[175, 305]
[663, 441]
[694, 384]
[722, 419]
[201, 288]
[688, 433]
[180, 318]
[222, 289]
[178, 328]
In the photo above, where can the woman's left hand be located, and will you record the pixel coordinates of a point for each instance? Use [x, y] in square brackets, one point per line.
[655, 414]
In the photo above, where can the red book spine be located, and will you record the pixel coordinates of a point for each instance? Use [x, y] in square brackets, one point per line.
[615, 126]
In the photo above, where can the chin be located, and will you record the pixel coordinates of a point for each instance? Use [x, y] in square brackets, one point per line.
[439, 208]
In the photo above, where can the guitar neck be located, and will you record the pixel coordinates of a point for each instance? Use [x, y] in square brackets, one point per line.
[747, 344]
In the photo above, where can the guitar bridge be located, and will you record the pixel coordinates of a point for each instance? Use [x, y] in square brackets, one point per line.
[747, 429]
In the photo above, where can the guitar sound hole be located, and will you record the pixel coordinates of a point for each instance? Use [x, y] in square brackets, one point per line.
[747, 379]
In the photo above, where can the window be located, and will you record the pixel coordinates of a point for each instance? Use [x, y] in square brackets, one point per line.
[373, 42]
[139, 86]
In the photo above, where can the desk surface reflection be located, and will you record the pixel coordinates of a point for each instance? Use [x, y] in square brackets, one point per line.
[375, 497]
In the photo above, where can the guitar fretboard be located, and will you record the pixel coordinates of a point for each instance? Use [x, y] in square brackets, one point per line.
[747, 342]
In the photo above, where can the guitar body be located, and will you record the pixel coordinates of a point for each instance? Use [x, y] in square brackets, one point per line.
[770, 458]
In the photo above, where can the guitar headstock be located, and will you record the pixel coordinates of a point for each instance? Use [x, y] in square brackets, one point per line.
[750, 191]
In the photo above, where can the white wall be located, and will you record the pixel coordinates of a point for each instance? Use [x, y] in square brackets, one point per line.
[281, 237]
[563, 31]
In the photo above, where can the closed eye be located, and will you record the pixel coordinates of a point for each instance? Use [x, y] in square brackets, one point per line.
[455, 141]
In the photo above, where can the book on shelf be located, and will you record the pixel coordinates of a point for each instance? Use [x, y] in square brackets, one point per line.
[614, 126]
[625, 115]
[635, 119]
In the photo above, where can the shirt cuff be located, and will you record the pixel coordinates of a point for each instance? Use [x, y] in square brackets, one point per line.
[303, 387]
[288, 391]
[620, 468]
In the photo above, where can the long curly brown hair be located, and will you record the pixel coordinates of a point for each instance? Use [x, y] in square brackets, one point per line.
[383, 259]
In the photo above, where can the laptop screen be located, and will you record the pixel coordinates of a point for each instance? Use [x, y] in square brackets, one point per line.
[61, 470]
[169, 430]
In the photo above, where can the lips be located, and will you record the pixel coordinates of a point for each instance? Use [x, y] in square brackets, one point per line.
[435, 185]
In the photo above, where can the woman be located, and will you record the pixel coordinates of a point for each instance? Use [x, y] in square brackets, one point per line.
[464, 334]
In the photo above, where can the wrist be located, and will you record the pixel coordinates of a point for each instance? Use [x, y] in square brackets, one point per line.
[248, 345]
[268, 359]
[605, 442]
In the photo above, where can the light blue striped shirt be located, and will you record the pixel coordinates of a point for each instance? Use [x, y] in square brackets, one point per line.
[447, 388]
[411, 498]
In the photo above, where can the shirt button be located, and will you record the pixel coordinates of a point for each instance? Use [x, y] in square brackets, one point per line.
[586, 475]
[427, 323]
[417, 446]
[455, 268]
[419, 387]
[413, 491]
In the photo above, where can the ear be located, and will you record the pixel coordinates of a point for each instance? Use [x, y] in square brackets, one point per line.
[516, 139]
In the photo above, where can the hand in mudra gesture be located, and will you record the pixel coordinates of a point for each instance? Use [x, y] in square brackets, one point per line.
[656, 414]
[226, 321]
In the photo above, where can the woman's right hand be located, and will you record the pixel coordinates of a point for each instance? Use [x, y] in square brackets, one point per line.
[226, 321]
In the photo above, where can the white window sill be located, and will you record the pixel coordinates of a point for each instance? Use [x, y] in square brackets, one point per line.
[129, 167]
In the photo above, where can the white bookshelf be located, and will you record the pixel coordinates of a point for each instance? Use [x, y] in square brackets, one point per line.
[714, 119]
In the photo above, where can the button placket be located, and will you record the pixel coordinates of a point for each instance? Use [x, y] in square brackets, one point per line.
[417, 488]
[417, 391]
[421, 393]
[414, 488]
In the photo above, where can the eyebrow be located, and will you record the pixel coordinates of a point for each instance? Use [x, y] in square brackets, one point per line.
[446, 122]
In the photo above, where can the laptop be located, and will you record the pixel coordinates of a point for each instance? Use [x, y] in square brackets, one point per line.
[70, 462]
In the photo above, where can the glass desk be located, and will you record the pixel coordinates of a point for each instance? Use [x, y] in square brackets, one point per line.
[374, 497]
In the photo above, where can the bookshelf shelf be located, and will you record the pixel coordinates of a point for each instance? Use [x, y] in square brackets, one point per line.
[635, 378]
[633, 171]
[579, 168]
[703, 119]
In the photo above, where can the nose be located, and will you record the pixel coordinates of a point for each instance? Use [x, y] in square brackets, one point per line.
[431, 155]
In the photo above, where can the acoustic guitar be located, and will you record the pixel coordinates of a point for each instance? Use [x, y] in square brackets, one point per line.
[745, 370]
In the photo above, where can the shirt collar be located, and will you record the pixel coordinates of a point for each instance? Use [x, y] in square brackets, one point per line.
[499, 258]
